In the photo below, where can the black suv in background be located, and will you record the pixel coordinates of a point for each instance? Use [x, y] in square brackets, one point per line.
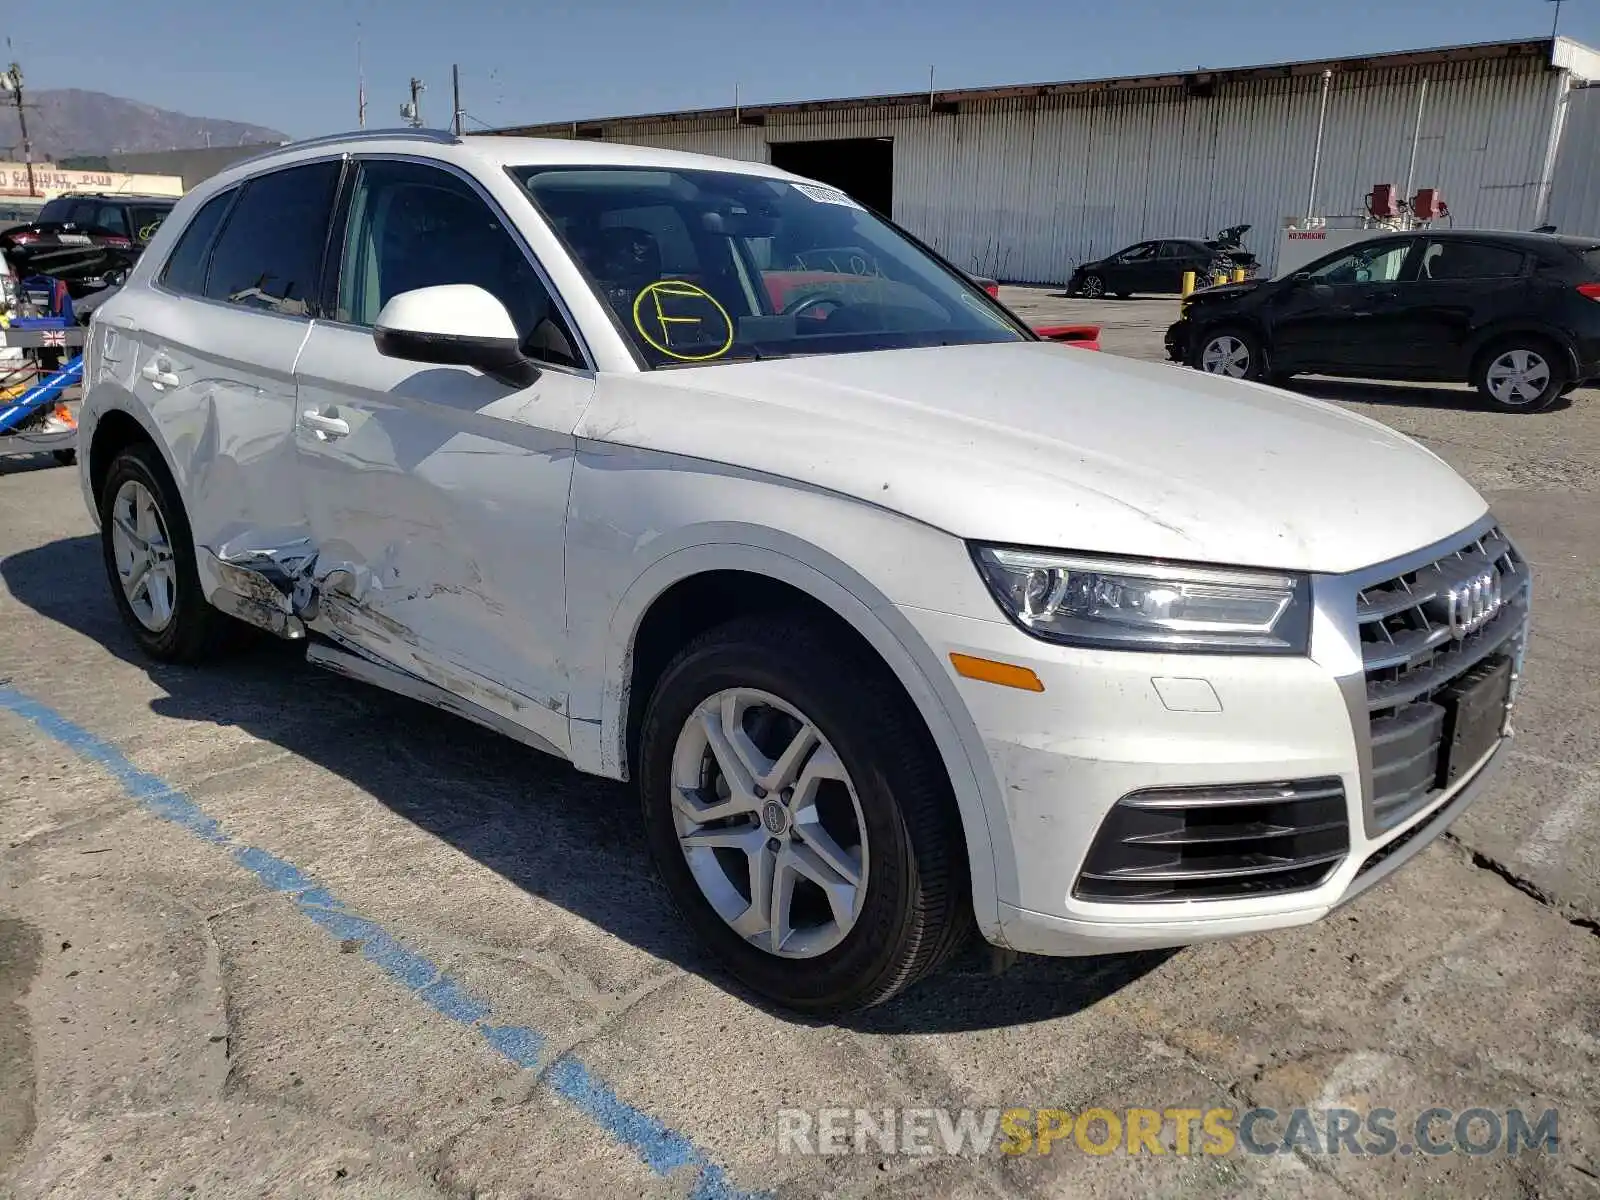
[87, 240]
[1515, 314]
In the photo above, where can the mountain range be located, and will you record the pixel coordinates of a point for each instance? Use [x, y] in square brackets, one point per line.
[70, 122]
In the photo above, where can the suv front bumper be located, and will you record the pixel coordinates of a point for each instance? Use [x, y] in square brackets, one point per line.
[1112, 723]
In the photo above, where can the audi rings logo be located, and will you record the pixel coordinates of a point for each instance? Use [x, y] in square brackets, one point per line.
[1473, 602]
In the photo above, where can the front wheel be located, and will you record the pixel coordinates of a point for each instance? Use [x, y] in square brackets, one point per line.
[1235, 353]
[1092, 287]
[800, 816]
[1522, 375]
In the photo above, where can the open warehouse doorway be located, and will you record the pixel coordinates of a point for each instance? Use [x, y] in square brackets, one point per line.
[859, 167]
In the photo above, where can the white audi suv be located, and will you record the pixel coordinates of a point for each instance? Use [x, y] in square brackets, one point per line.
[698, 474]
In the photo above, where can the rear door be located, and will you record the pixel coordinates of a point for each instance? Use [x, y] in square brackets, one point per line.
[436, 496]
[210, 352]
[1329, 317]
[1175, 258]
[1460, 287]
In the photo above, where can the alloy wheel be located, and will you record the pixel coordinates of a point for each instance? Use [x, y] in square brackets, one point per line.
[770, 823]
[1518, 377]
[1226, 355]
[1093, 287]
[145, 566]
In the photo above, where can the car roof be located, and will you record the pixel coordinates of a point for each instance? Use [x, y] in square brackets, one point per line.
[1510, 237]
[132, 198]
[493, 152]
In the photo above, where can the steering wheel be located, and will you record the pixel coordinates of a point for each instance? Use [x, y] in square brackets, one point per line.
[806, 303]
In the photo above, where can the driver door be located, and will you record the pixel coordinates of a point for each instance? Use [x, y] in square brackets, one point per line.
[1135, 270]
[1331, 316]
[436, 496]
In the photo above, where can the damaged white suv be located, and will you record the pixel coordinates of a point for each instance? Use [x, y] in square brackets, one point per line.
[905, 621]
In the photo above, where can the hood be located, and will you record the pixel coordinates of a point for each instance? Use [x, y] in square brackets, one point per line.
[1036, 444]
[1225, 291]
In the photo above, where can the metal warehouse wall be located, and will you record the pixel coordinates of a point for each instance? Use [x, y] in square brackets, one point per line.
[1025, 189]
[1575, 192]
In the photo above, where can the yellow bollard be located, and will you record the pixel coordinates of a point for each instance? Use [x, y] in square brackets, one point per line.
[1238, 274]
[1188, 283]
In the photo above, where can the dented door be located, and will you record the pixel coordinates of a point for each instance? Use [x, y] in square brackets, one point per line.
[436, 499]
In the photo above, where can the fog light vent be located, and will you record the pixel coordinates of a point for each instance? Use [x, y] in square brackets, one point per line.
[1217, 843]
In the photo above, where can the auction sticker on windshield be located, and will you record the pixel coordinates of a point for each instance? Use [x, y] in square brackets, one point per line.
[824, 195]
[681, 320]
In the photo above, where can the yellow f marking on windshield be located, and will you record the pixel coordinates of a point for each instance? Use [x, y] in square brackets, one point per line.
[669, 290]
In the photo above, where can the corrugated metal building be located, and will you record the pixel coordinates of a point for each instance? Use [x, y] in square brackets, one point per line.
[1024, 182]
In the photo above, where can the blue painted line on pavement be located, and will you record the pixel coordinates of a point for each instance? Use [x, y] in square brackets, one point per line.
[661, 1148]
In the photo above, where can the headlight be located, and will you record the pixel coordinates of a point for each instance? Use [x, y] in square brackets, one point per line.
[1132, 605]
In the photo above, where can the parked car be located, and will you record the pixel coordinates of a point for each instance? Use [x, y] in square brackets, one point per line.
[1517, 315]
[1159, 266]
[901, 620]
[86, 240]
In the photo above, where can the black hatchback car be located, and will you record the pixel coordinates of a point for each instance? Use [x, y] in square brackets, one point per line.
[1159, 266]
[1515, 314]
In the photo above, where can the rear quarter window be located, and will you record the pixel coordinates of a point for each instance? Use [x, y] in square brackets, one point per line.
[185, 271]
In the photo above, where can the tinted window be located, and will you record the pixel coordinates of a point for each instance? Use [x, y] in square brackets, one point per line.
[1367, 263]
[1135, 253]
[414, 226]
[112, 219]
[1177, 249]
[55, 210]
[186, 269]
[146, 221]
[1469, 260]
[82, 213]
[269, 254]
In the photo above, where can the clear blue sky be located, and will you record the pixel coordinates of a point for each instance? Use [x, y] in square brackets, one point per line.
[291, 64]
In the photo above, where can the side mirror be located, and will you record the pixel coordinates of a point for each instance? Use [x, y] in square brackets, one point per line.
[455, 324]
[1301, 277]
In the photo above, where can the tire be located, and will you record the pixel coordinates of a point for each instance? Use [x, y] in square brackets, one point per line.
[909, 909]
[1092, 287]
[189, 630]
[65, 457]
[1522, 374]
[1231, 352]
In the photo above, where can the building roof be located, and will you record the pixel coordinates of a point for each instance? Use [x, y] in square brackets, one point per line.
[1556, 53]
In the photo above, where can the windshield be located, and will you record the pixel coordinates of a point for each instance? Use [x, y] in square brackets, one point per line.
[714, 266]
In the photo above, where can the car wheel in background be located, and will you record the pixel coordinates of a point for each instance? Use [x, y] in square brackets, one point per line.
[800, 816]
[149, 559]
[1522, 374]
[1091, 287]
[1235, 353]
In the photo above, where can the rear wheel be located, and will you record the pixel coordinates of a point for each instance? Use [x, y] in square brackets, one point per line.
[1522, 374]
[149, 559]
[800, 818]
[1235, 353]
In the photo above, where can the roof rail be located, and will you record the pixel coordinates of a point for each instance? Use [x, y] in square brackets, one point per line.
[404, 133]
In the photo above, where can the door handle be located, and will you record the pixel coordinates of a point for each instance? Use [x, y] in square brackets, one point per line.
[159, 372]
[325, 427]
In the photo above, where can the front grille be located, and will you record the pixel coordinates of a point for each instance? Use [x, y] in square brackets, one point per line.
[1412, 655]
[1217, 843]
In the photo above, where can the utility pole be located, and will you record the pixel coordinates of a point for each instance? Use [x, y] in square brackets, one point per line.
[412, 112]
[455, 91]
[11, 81]
[361, 88]
[1555, 26]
